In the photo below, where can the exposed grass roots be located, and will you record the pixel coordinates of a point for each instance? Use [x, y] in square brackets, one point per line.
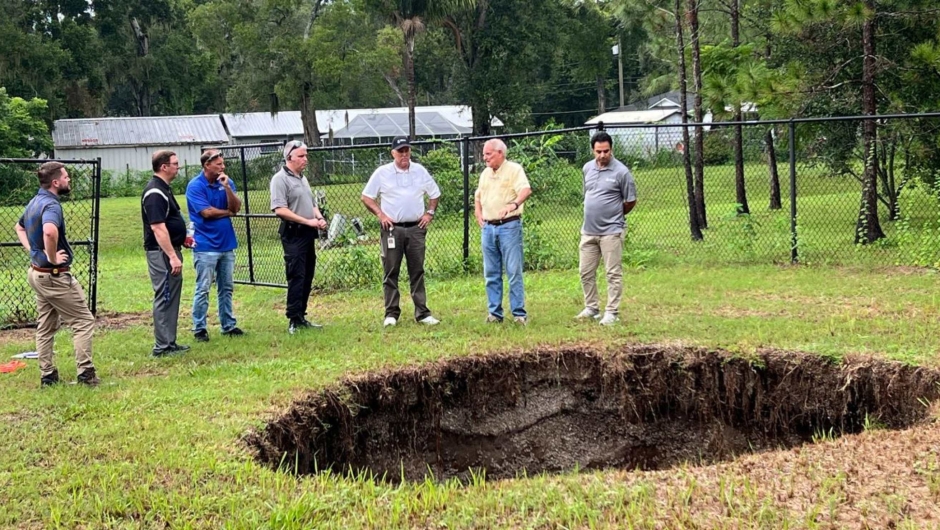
[648, 407]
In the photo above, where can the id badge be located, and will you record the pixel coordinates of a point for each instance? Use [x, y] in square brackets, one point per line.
[391, 241]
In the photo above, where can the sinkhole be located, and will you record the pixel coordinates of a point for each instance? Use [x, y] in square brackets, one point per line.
[554, 410]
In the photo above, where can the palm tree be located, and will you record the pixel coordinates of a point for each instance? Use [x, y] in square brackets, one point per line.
[412, 17]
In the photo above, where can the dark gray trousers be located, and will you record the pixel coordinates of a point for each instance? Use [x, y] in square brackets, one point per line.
[410, 245]
[166, 298]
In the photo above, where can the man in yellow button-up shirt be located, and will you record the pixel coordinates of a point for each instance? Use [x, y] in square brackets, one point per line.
[499, 197]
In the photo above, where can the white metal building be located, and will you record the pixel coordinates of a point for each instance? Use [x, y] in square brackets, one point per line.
[644, 141]
[352, 125]
[127, 144]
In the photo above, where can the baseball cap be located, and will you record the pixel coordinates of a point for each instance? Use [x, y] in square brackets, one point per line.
[292, 146]
[399, 142]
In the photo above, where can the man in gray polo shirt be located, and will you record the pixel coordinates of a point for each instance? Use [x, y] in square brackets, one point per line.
[401, 186]
[292, 200]
[609, 195]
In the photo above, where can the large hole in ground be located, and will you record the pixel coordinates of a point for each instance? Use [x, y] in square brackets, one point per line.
[643, 407]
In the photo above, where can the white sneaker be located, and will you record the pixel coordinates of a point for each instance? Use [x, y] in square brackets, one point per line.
[609, 319]
[587, 313]
[389, 321]
[429, 321]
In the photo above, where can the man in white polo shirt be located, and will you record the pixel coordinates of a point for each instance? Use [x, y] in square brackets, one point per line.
[400, 187]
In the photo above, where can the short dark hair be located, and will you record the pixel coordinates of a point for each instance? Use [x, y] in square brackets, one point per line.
[161, 158]
[209, 155]
[49, 172]
[601, 137]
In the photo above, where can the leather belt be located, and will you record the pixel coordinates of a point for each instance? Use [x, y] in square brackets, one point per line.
[504, 221]
[55, 271]
[411, 224]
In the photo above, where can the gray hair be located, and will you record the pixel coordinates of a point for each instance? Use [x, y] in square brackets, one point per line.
[497, 144]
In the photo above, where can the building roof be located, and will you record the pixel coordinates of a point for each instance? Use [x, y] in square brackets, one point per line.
[633, 116]
[288, 123]
[396, 124]
[145, 131]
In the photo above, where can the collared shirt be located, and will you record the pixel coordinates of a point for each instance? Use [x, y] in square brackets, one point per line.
[44, 208]
[158, 205]
[605, 191]
[292, 191]
[499, 188]
[211, 235]
[402, 191]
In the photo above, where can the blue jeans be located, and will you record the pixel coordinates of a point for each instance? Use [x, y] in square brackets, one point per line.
[218, 267]
[502, 248]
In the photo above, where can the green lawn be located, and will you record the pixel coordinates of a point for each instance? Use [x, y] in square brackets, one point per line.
[158, 445]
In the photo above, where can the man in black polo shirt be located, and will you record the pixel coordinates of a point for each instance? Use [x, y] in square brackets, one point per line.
[164, 234]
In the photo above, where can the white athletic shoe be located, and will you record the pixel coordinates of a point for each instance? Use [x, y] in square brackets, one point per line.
[609, 319]
[389, 321]
[429, 321]
[587, 313]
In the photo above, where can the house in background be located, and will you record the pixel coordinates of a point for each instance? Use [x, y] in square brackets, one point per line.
[660, 110]
[126, 144]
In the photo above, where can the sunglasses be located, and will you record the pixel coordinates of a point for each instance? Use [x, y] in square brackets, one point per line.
[294, 144]
[213, 157]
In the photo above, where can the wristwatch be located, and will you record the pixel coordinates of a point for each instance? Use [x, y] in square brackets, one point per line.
[431, 213]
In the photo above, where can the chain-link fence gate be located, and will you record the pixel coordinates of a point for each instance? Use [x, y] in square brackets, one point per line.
[793, 195]
[18, 184]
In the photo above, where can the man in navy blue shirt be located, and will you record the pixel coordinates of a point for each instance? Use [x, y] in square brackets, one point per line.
[41, 231]
[211, 200]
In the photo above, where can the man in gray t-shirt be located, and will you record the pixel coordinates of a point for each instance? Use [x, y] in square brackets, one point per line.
[609, 195]
[292, 201]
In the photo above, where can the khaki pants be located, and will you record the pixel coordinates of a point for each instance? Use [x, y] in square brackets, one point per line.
[61, 296]
[610, 248]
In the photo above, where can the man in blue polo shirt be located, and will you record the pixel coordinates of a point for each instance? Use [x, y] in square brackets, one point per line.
[211, 200]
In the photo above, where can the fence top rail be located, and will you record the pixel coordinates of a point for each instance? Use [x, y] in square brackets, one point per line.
[44, 160]
[599, 126]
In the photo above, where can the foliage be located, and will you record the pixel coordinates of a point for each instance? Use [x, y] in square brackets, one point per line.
[444, 165]
[717, 147]
[23, 132]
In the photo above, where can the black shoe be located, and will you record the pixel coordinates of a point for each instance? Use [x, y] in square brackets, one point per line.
[49, 380]
[303, 323]
[89, 378]
[172, 349]
[202, 336]
[234, 332]
[179, 348]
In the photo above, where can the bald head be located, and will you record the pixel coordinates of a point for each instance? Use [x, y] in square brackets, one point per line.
[494, 153]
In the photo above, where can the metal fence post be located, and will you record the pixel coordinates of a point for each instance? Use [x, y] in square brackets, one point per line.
[96, 221]
[465, 147]
[251, 258]
[794, 251]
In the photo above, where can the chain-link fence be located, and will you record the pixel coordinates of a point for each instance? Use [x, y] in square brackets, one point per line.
[794, 194]
[18, 185]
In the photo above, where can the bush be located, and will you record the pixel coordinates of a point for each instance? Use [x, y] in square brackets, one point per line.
[444, 165]
[717, 149]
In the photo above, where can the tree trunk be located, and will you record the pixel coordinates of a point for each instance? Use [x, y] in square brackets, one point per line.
[868, 229]
[601, 97]
[412, 90]
[308, 115]
[694, 227]
[739, 184]
[698, 150]
[775, 203]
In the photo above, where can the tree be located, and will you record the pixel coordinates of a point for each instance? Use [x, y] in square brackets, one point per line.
[698, 148]
[411, 17]
[695, 227]
[23, 131]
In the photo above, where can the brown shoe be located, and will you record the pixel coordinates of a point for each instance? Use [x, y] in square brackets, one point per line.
[88, 377]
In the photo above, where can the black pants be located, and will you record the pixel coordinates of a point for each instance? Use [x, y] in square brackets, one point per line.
[300, 262]
[410, 245]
